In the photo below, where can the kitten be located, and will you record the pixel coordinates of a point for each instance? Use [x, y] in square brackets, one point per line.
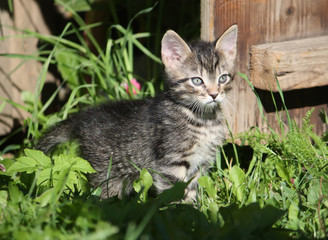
[176, 134]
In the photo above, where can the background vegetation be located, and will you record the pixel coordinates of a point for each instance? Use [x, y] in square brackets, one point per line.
[274, 185]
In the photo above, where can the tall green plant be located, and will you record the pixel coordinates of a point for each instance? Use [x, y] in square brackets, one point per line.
[289, 171]
[93, 74]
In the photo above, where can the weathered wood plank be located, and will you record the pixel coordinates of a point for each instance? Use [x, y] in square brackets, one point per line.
[26, 14]
[297, 64]
[207, 23]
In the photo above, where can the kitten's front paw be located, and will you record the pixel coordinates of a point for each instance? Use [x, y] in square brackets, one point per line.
[190, 196]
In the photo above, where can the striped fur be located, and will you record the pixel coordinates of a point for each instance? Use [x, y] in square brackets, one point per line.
[175, 134]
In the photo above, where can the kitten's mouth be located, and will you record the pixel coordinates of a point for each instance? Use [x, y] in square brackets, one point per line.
[212, 103]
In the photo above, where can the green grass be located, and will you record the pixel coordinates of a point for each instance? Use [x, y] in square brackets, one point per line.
[273, 186]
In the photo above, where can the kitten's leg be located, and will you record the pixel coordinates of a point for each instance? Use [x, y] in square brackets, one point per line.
[120, 186]
[191, 190]
[190, 195]
[168, 176]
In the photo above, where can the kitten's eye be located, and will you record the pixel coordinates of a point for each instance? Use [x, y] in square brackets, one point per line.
[197, 81]
[224, 78]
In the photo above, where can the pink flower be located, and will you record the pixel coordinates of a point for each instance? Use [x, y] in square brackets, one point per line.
[135, 83]
[2, 168]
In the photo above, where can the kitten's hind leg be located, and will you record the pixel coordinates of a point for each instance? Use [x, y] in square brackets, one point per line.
[114, 186]
[164, 181]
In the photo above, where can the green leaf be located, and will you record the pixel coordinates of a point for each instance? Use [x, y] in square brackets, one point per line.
[282, 172]
[252, 194]
[34, 160]
[62, 180]
[142, 184]
[293, 215]
[6, 163]
[207, 183]
[315, 189]
[79, 164]
[237, 177]
[78, 5]
[23, 164]
[97, 192]
[60, 186]
[248, 220]
[72, 180]
[44, 177]
[45, 197]
[68, 62]
[3, 199]
[61, 161]
[76, 163]
[39, 157]
[83, 183]
[213, 209]
[28, 99]
[16, 196]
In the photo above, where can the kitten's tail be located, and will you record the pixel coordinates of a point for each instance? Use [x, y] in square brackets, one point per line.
[57, 134]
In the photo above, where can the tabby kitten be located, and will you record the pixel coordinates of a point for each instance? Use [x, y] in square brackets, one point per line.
[176, 134]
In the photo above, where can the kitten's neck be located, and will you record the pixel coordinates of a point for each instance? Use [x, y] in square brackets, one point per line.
[205, 115]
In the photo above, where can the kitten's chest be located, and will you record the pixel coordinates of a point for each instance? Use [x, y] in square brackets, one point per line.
[206, 140]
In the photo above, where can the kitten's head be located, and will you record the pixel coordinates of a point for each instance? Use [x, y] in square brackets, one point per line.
[199, 73]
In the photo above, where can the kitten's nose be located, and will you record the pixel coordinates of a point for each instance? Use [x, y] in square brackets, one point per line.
[213, 95]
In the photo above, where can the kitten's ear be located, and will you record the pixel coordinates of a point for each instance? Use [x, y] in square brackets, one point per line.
[227, 43]
[174, 50]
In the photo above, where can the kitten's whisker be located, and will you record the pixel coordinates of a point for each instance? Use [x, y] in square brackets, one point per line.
[198, 109]
[193, 106]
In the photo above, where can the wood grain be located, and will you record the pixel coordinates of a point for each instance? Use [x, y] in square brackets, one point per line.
[298, 64]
